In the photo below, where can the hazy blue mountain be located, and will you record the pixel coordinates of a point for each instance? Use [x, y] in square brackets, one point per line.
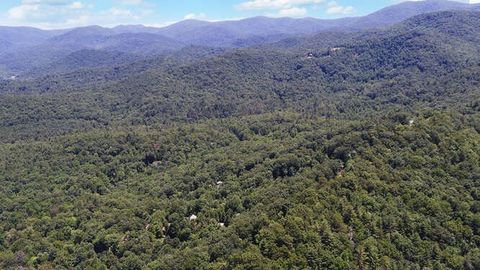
[138, 28]
[183, 26]
[5, 45]
[264, 29]
[246, 32]
[141, 43]
[60, 48]
[421, 46]
[36, 48]
[25, 36]
[425, 62]
[99, 38]
[85, 59]
[13, 39]
[225, 33]
[397, 13]
[20, 60]
[89, 34]
[375, 21]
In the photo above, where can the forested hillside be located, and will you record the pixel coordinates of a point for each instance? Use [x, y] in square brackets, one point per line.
[334, 150]
[37, 49]
[427, 61]
[275, 191]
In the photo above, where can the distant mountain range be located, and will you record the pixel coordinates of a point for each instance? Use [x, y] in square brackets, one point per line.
[24, 48]
[254, 144]
[427, 61]
[228, 32]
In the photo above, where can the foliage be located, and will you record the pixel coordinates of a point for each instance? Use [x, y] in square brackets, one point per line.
[430, 61]
[360, 152]
[290, 192]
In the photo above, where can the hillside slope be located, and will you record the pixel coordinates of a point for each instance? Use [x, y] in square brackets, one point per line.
[34, 47]
[422, 62]
[229, 32]
[341, 150]
[266, 192]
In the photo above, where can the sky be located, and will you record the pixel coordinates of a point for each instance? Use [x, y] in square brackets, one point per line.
[51, 14]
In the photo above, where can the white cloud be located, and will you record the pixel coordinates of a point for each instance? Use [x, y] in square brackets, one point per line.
[335, 8]
[80, 20]
[275, 4]
[22, 11]
[131, 2]
[118, 12]
[292, 12]
[77, 5]
[45, 2]
[50, 14]
[37, 9]
[296, 8]
[196, 16]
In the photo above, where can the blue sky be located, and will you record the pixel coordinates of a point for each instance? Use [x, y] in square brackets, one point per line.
[72, 13]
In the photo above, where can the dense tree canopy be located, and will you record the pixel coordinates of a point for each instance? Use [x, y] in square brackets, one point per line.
[428, 61]
[360, 152]
[270, 191]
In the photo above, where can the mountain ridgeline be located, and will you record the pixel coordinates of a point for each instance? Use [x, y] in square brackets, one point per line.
[254, 144]
[429, 61]
[39, 48]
